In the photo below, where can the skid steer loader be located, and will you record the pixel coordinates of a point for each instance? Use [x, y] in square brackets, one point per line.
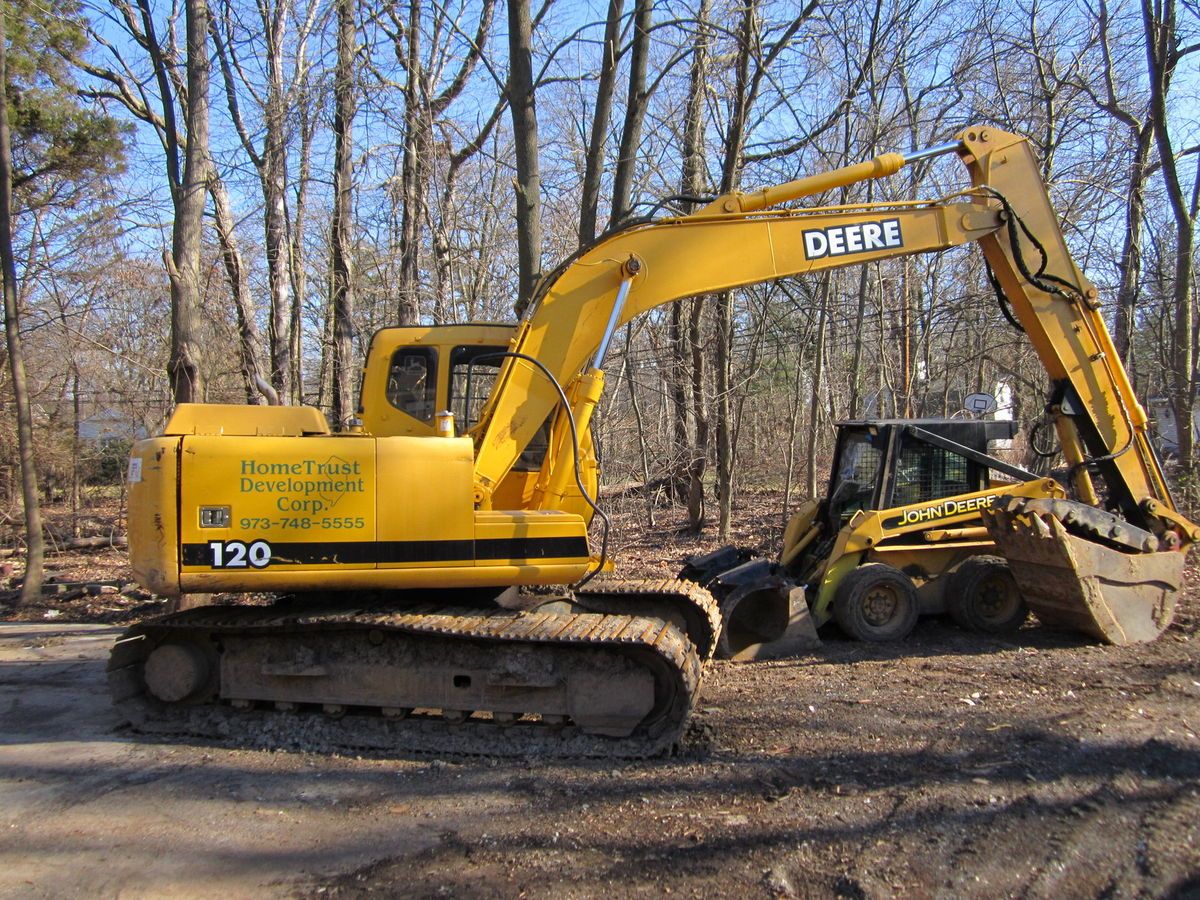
[899, 534]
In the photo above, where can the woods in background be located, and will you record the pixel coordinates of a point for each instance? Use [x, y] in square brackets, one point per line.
[268, 183]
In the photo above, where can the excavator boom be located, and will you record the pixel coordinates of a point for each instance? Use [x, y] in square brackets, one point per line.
[736, 240]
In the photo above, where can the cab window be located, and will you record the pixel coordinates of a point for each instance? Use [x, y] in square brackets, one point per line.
[471, 382]
[473, 372]
[926, 473]
[412, 381]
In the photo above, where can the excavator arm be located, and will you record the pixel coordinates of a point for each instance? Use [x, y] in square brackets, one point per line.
[578, 308]
[1099, 420]
[739, 240]
[647, 266]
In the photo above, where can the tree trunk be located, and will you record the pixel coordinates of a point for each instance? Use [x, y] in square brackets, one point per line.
[643, 449]
[256, 386]
[412, 174]
[1142, 133]
[76, 449]
[31, 587]
[271, 166]
[723, 346]
[525, 136]
[187, 229]
[677, 385]
[1130, 264]
[818, 377]
[793, 424]
[698, 464]
[299, 272]
[635, 110]
[1162, 54]
[325, 376]
[853, 410]
[342, 287]
[692, 185]
[723, 364]
[278, 250]
[594, 163]
[443, 263]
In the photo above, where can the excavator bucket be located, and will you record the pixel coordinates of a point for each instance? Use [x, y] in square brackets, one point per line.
[1078, 580]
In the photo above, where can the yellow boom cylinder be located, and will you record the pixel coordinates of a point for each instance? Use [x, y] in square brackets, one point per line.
[879, 167]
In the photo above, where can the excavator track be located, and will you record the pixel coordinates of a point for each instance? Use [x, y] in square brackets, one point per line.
[683, 603]
[436, 679]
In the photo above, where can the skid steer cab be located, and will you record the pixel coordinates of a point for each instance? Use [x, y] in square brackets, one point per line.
[898, 535]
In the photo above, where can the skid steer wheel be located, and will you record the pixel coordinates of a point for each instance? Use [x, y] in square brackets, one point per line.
[983, 596]
[876, 602]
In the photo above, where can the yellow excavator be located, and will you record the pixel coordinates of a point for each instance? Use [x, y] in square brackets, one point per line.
[434, 583]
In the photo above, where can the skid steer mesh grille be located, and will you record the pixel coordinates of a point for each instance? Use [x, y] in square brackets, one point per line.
[929, 473]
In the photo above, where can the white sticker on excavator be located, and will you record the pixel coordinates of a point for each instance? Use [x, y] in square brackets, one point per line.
[859, 237]
[135, 470]
[239, 554]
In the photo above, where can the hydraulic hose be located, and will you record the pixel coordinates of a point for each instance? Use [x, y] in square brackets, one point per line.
[562, 398]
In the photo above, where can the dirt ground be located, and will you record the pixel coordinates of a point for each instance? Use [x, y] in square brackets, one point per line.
[948, 765]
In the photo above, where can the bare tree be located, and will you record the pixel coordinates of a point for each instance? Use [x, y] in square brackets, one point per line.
[692, 184]
[594, 160]
[746, 86]
[35, 547]
[1163, 54]
[307, 120]
[635, 109]
[275, 100]
[185, 153]
[256, 385]
[521, 103]
[1110, 93]
[187, 228]
[341, 279]
[747, 47]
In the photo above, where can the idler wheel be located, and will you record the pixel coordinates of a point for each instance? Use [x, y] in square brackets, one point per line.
[176, 672]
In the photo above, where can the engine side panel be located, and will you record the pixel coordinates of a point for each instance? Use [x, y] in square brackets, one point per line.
[212, 512]
[288, 502]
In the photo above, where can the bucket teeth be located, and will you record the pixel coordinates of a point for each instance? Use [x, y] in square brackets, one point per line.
[1043, 529]
[1072, 581]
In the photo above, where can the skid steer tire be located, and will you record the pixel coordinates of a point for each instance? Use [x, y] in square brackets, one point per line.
[983, 596]
[876, 602]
